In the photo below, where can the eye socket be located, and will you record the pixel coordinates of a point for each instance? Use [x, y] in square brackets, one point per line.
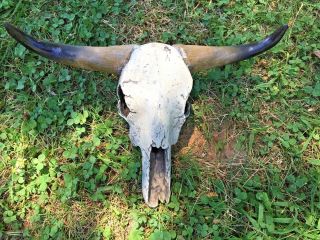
[124, 110]
[187, 109]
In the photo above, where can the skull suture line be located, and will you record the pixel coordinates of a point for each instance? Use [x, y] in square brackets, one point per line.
[154, 86]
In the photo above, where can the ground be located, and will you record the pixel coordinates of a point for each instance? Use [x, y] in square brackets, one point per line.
[247, 162]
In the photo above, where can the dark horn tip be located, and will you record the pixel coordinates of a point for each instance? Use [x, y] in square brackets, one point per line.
[278, 34]
[284, 28]
[281, 30]
[270, 41]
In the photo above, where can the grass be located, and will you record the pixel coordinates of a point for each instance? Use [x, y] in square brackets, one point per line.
[67, 168]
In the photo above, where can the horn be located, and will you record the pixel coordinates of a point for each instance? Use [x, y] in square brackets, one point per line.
[106, 59]
[204, 57]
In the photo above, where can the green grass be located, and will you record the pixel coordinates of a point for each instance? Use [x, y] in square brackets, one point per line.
[68, 170]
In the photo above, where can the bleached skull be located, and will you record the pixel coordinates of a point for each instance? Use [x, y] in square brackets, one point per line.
[154, 86]
[153, 89]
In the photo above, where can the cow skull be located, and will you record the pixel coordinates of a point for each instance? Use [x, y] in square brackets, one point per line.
[154, 86]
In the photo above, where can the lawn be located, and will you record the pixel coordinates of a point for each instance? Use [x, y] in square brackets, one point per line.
[247, 164]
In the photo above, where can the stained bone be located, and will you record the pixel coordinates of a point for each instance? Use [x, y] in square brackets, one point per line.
[156, 84]
[159, 188]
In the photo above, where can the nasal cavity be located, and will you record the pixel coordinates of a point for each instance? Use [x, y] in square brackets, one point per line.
[123, 105]
[157, 162]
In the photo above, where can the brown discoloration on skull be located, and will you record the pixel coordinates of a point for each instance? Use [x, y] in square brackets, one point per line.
[159, 184]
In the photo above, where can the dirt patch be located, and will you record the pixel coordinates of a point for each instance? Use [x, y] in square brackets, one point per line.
[215, 153]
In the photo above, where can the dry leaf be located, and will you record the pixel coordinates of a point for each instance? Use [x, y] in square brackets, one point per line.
[212, 194]
[317, 53]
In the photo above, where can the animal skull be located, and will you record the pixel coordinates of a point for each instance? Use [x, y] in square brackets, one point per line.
[156, 114]
[153, 89]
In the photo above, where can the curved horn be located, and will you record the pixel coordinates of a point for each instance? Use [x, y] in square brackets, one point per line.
[204, 57]
[106, 59]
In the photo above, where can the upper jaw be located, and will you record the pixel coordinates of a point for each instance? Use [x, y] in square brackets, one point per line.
[156, 175]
